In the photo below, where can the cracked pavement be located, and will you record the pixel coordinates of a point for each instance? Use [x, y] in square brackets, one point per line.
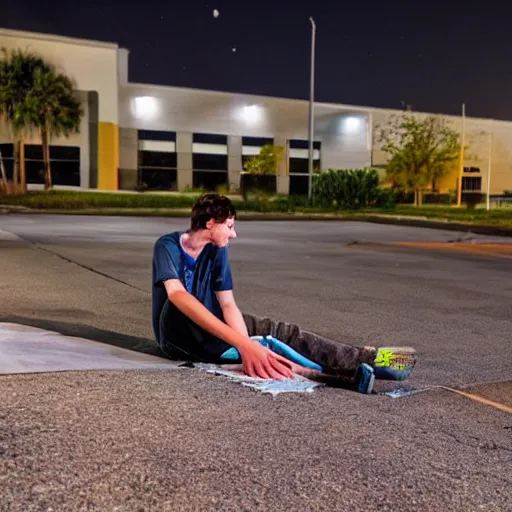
[161, 440]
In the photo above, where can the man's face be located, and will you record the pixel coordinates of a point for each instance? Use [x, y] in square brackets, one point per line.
[222, 232]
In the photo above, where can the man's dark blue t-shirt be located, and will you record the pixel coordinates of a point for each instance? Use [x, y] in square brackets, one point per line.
[209, 273]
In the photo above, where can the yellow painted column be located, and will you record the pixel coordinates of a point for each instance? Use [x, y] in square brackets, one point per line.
[108, 156]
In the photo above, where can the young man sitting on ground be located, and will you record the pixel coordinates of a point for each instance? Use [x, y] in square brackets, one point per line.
[196, 318]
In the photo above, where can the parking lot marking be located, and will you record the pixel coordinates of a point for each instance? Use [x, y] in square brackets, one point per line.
[480, 399]
[496, 250]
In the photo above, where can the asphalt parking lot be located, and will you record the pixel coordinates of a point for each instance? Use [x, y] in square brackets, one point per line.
[185, 440]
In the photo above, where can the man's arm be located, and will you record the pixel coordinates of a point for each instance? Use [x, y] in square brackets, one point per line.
[232, 314]
[257, 360]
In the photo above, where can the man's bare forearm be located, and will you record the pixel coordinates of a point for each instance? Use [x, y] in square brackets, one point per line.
[234, 318]
[199, 314]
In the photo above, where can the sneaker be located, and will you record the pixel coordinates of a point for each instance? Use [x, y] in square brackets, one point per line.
[365, 379]
[394, 363]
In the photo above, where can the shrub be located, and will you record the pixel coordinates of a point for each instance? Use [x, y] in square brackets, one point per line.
[222, 189]
[386, 198]
[346, 189]
[471, 199]
[435, 198]
[403, 197]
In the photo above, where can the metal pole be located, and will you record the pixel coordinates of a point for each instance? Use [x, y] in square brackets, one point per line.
[461, 163]
[489, 170]
[311, 110]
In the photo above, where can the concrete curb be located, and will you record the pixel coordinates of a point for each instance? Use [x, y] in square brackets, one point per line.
[477, 229]
[6, 208]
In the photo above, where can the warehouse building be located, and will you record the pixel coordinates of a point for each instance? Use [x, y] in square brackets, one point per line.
[169, 138]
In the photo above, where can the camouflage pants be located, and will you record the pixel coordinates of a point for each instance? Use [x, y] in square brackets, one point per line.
[334, 357]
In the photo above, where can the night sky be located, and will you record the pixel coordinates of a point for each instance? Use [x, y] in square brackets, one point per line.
[388, 54]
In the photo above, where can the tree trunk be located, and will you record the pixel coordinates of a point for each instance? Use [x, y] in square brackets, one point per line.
[418, 197]
[23, 169]
[4, 175]
[46, 157]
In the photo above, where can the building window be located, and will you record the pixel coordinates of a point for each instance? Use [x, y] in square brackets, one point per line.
[210, 138]
[64, 163]
[209, 180]
[210, 152]
[7, 151]
[251, 146]
[157, 160]
[209, 160]
[299, 185]
[298, 155]
[158, 179]
[472, 184]
[157, 135]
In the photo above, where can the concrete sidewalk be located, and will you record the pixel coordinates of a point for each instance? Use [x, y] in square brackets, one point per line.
[25, 349]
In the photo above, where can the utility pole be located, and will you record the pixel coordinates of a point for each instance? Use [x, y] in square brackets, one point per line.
[461, 163]
[311, 110]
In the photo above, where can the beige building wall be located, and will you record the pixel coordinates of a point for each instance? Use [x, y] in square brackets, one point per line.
[94, 67]
[478, 143]
[343, 131]
[234, 162]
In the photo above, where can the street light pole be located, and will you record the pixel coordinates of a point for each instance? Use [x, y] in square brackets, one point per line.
[311, 109]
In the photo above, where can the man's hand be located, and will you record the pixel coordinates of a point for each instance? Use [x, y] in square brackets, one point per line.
[259, 361]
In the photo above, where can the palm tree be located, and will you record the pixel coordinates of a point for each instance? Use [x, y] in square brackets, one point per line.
[17, 69]
[34, 96]
[55, 111]
[8, 104]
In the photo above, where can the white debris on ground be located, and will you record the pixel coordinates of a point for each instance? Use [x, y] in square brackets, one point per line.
[274, 387]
